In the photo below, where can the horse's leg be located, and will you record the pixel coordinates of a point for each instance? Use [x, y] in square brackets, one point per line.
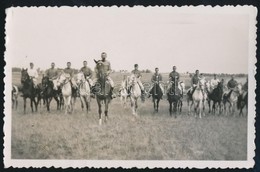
[170, 108]
[136, 106]
[31, 104]
[180, 106]
[200, 107]
[209, 104]
[57, 101]
[106, 110]
[203, 107]
[24, 105]
[88, 103]
[16, 103]
[154, 105]
[99, 111]
[214, 107]
[82, 102]
[175, 109]
[157, 105]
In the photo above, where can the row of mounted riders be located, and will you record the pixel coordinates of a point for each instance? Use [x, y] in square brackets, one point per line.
[198, 96]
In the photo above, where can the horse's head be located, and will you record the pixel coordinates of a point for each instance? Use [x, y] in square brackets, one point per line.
[24, 76]
[46, 82]
[100, 69]
[63, 78]
[80, 78]
[133, 80]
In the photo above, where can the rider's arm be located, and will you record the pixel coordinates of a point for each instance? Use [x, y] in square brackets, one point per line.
[109, 68]
[36, 74]
[90, 73]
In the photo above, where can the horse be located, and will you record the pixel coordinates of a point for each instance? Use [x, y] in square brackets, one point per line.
[242, 101]
[135, 93]
[157, 94]
[231, 97]
[15, 93]
[102, 90]
[181, 86]
[124, 92]
[84, 91]
[197, 98]
[174, 96]
[216, 96]
[66, 89]
[28, 90]
[48, 92]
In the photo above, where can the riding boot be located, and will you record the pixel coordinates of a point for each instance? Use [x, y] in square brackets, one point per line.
[112, 93]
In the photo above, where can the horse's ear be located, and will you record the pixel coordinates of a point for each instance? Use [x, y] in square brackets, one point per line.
[95, 61]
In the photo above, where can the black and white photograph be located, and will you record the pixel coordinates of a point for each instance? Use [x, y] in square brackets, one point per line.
[130, 87]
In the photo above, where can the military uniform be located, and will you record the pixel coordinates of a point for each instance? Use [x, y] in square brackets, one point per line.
[138, 75]
[157, 77]
[71, 74]
[174, 77]
[107, 68]
[34, 75]
[214, 83]
[52, 74]
[87, 74]
[231, 84]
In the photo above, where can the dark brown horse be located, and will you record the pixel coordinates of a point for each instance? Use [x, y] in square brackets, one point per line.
[102, 90]
[48, 92]
[156, 95]
[28, 90]
[174, 96]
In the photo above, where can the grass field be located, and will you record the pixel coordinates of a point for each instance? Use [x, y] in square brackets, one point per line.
[150, 136]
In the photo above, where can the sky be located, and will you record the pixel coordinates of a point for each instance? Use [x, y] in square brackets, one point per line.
[211, 40]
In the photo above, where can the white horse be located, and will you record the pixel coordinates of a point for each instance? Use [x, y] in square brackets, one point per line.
[84, 91]
[135, 93]
[230, 97]
[123, 91]
[14, 96]
[198, 99]
[66, 89]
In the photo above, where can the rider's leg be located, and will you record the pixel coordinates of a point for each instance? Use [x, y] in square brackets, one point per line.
[150, 90]
[111, 82]
[141, 86]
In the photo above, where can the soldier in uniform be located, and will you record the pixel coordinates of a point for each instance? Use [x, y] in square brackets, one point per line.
[214, 82]
[87, 73]
[70, 72]
[156, 78]
[195, 81]
[232, 83]
[33, 74]
[138, 75]
[53, 74]
[108, 70]
[173, 76]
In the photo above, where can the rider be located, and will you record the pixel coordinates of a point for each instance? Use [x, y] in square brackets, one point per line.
[33, 74]
[156, 78]
[138, 75]
[87, 73]
[70, 71]
[214, 82]
[108, 70]
[195, 81]
[232, 83]
[53, 74]
[174, 76]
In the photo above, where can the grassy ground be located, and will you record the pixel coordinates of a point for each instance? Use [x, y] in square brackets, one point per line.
[151, 136]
